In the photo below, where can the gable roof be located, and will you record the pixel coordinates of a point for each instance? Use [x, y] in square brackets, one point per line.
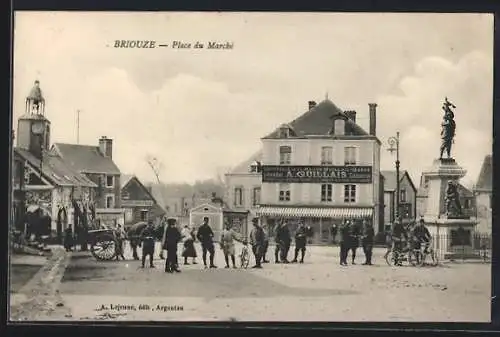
[464, 191]
[390, 179]
[318, 121]
[244, 167]
[206, 207]
[55, 169]
[86, 158]
[124, 179]
[485, 179]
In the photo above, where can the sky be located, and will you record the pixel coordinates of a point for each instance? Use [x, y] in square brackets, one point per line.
[201, 112]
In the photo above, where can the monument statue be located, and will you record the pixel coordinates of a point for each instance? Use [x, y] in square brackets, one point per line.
[447, 128]
[453, 207]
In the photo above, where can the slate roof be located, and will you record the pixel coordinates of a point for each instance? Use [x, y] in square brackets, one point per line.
[485, 179]
[244, 167]
[390, 179]
[86, 158]
[55, 169]
[318, 121]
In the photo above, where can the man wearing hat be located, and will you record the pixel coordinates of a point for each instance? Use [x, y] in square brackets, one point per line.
[398, 237]
[171, 237]
[345, 231]
[300, 242]
[206, 237]
[367, 241]
[148, 243]
[421, 235]
[257, 240]
[283, 240]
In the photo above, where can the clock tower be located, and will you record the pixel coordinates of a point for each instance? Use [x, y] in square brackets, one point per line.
[33, 128]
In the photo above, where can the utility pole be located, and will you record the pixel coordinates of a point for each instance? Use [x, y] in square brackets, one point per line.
[394, 146]
[78, 126]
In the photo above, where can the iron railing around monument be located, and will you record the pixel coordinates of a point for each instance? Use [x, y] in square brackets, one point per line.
[476, 246]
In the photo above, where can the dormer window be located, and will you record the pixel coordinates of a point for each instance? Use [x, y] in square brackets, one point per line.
[286, 131]
[256, 167]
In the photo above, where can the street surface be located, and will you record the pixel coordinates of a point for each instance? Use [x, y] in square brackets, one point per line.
[318, 290]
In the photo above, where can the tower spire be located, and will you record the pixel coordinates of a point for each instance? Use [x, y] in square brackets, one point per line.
[35, 103]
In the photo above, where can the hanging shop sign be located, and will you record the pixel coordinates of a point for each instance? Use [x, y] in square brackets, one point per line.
[317, 174]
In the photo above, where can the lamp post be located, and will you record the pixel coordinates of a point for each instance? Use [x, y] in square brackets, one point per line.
[394, 146]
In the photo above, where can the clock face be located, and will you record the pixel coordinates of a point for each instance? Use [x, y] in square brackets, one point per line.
[37, 128]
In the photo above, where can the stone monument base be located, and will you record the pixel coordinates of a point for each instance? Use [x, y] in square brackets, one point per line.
[453, 238]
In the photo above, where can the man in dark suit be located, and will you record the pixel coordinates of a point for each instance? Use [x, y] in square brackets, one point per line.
[367, 241]
[206, 236]
[148, 243]
[171, 238]
[257, 240]
[345, 230]
[300, 242]
[354, 240]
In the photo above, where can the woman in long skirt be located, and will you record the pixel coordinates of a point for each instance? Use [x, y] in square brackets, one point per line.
[189, 250]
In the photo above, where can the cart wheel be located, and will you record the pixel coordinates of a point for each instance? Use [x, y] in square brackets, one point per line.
[104, 249]
[245, 259]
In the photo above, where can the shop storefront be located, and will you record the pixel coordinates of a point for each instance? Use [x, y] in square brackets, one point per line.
[320, 219]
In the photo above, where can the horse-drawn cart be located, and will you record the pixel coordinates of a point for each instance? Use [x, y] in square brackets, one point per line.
[102, 244]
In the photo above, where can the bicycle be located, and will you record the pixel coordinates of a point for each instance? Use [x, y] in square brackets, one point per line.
[393, 257]
[422, 254]
[244, 256]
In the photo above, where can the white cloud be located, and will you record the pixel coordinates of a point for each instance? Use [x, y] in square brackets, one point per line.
[417, 113]
[197, 111]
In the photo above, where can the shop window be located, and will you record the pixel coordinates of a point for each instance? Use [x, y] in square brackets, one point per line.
[326, 192]
[284, 192]
[285, 155]
[349, 193]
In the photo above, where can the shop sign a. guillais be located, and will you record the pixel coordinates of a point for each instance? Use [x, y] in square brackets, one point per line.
[316, 174]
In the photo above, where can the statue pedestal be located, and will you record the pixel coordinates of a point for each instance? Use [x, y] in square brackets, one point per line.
[453, 237]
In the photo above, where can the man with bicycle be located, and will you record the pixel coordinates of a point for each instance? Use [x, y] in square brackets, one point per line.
[421, 235]
[399, 237]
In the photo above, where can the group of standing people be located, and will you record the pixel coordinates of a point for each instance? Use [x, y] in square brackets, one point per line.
[283, 240]
[351, 236]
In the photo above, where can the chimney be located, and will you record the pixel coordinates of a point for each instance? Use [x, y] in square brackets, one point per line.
[312, 104]
[351, 114]
[373, 118]
[106, 146]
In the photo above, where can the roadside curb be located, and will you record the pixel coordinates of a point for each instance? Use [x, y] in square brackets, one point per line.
[40, 294]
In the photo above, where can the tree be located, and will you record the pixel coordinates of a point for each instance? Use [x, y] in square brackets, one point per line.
[156, 166]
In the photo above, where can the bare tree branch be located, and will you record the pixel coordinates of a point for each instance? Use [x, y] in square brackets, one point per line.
[156, 167]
